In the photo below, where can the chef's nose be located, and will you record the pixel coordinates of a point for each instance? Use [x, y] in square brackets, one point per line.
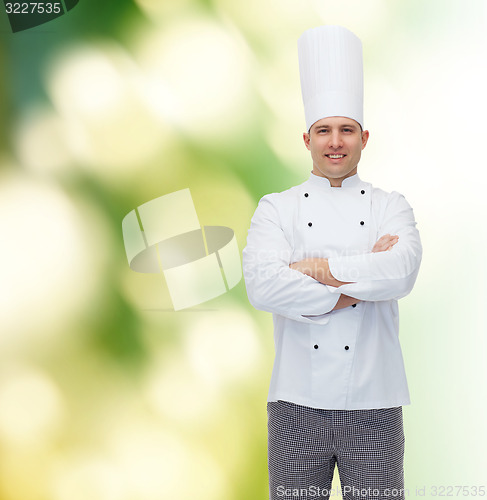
[335, 139]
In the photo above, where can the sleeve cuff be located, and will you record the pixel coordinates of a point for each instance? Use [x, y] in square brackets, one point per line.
[351, 268]
[328, 306]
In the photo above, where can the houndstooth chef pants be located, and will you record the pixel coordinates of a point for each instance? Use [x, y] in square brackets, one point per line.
[305, 444]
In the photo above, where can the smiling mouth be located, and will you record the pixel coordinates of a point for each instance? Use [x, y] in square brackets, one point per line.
[335, 157]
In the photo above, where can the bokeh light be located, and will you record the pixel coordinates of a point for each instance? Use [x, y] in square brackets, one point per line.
[155, 463]
[209, 340]
[176, 392]
[31, 407]
[96, 88]
[49, 263]
[197, 74]
[41, 142]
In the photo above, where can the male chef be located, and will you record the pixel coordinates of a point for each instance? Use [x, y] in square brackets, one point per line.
[330, 258]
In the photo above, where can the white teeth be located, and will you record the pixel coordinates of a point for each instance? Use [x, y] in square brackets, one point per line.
[335, 156]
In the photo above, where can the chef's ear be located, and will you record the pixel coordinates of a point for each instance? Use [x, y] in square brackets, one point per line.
[365, 138]
[306, 139]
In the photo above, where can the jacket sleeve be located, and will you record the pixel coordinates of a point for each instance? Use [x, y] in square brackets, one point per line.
[271, 284]
[384, 275]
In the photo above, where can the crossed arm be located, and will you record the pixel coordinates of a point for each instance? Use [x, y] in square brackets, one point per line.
[319, 269]
[297, 291]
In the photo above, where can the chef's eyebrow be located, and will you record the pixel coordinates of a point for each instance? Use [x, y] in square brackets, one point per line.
[344, 125]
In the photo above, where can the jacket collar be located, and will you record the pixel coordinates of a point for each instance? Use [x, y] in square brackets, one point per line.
[349, 182]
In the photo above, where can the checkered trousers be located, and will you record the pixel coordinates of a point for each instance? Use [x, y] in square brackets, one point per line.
[305, 444]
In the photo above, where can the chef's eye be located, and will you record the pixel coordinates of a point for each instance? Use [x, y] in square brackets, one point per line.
[348, 130]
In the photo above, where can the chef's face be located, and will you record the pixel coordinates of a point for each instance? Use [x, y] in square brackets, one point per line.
[336, 145]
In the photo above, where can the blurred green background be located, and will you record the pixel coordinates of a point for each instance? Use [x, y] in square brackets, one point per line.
[105, 394]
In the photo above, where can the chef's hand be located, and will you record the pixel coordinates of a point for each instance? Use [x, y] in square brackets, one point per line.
[317, 268]
[385, 243]
[345, 301]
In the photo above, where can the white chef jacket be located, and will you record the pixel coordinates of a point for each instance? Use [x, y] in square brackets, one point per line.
[349, 358]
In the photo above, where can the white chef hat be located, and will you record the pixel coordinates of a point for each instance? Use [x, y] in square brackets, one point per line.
[331, 71]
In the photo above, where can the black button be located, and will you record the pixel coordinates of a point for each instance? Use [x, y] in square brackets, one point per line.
[362, 222]
[316, 346]
[310, 224]
[347, 348]
[306, 195]
[363, 192]
[354, 305]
